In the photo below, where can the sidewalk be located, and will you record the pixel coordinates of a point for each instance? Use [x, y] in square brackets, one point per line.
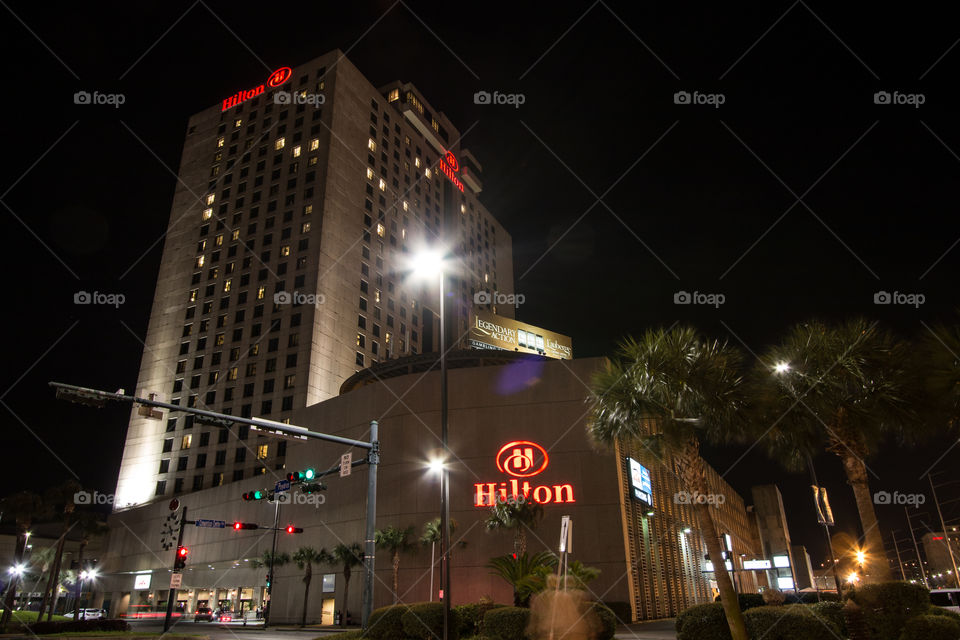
[653, 630]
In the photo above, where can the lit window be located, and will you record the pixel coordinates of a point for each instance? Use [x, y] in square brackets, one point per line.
[393, 96]
[260, 293]
[383, 184]
[199, 261]
[262, 451]
[369, 173]
[220, 142]
[427, 172]
[232, 373]
[285, 250]
[226, 285]
[314, 144]
[193, 294]
[305, 227]
[463, 208]
[296, 151]
[219, 240]
[376, 295]
[307, 210]
[380, 229]
[360, 340]
[486, 277]
[405, 205]
[371, 144]
[416, 163]
[386, 338]
[403, 233]
[211, 198]
[237, 123]
[235, 235]
[312, 161]
[186, 442]
[279, 143]
[208, 213]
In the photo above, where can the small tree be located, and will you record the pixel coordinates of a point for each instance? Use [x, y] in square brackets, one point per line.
[306, 557]
[396, 541]
[519, 570]
[23, 508]
[518, 513]
[349, 556]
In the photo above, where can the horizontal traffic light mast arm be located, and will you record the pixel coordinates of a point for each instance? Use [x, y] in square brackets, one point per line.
[98, 398]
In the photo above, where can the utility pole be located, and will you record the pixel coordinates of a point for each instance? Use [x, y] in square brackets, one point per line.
[943, 527]
[273, 555]
[826, 530]
[923, 574]
[896, 548]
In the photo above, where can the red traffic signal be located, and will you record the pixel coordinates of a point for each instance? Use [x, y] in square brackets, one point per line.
[181, 560]
[245, 525]
[293, 529]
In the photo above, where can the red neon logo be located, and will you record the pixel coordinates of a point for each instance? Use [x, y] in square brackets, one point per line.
[449, 166]
[276, 79]
[522, 459]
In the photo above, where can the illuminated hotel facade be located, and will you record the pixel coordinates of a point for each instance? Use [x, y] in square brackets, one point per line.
[297, 203]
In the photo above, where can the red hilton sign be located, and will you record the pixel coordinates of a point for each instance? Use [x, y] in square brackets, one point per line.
[450, 168]
[276, 79]
[521, 459]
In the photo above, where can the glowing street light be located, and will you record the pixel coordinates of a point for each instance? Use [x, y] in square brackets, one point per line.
[861, 557]
[436, 465]
[17, 570]
[781, 367]
[853, 578]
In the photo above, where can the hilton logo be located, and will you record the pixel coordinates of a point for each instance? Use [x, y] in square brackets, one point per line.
[450, 167]
[521, 459]
[276, 79]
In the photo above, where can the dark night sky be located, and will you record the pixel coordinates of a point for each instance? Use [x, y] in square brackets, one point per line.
[694, 198]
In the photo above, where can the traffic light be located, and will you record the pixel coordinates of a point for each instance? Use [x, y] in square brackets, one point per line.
[268, 581]
[313, 487]
[293, 529]
[259, 494]
[302, 476]
[245, 525]
[181, 561]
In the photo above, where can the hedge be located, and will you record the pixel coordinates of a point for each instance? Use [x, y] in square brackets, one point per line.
[787, 622]
[385, 623]
[424, 621]
[747, 600]
[833, 612]
[471, 617]
[608, 621]
[622, 610]
[931, 627]
[506, 623]
[938, 611]
[74, 626]
[703, 622]
[888, 605]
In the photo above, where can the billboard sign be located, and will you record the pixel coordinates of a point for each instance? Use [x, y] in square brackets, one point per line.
[640, 485]
[490, 331]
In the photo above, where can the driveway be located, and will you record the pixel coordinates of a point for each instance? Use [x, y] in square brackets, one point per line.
[654, 630]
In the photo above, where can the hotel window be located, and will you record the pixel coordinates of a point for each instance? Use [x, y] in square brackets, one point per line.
[161, 487]
[285, 250]
[208, 213]
[262, 451]
[416, 163]
[406, 206]
[199, 263]
[235, 235]
[226, 285]
[237, 123]
[220, 143]
[427, 172]
[369, 173]
[296, 151]
[314, 144]
[305, 227]
[211, 197]
[240, 455]
[360, 340]
[232, 373]
[359, 359]
[186, 441]
[164, 465]
[393, 96]
[380, 229]
[371, 144]
[279, 144]
[260, 293]
[290, 381]
[383, 184]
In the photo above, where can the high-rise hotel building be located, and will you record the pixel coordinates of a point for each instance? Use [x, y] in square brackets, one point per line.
[299, 201]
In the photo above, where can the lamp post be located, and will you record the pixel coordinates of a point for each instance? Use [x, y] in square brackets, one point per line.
[428, 264]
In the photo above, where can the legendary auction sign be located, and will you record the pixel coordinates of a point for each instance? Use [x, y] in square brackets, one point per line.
[521, 459]
[488, 330]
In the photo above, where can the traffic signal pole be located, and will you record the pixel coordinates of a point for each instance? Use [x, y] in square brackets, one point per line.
[373, 459]
[173, 592]
[273, 554]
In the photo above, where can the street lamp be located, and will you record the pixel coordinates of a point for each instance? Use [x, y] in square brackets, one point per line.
[781, 367]
[85, 575]
[428, 264]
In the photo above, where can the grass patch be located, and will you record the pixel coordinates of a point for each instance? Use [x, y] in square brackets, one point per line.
[27, 617]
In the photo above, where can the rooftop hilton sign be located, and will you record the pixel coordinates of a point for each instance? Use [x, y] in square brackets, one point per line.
[276, 79]
[521, 459]
[450, 167]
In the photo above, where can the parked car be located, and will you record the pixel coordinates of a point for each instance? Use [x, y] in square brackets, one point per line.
[203, 613]
[222, 616]
[88, 614]
[946, 598]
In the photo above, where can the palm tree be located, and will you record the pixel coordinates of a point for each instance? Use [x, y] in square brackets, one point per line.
[23, 508]
[272, 561]
[519, 570]
[64, 494]
[577, 576]
[306, 557]
[431, 537]
[842, 389]
[349, 556]
[518, 513]
[90, 526]
[667, 391]
[396, 541]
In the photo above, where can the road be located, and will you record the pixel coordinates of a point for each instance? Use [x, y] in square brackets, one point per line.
[656, 630]
[232, 631]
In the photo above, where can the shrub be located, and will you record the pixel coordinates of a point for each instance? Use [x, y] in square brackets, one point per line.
[931, 627]
[787, 622]
[73, 626]
[621, 610]
[937, 611]
[471, 617]
[425, 621]
[888, 605]
[747, 600]
[608, 621]
[386, 623]
[773, 597]
[703, 622]
[833, 612]
[506, 623]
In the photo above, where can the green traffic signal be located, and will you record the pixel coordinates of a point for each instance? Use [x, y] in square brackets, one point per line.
[309, 474]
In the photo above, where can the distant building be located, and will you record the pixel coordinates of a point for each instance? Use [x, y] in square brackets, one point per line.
[802, 568]
[936, 549]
